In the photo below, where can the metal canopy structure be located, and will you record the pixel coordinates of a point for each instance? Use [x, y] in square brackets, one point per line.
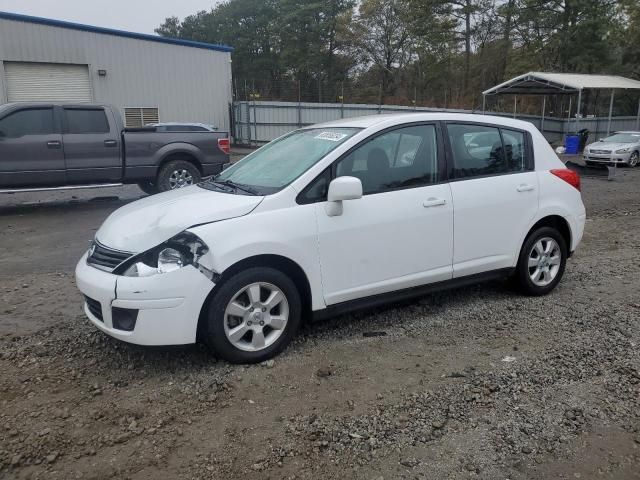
[541, 83]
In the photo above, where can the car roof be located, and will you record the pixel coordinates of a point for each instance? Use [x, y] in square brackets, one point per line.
[391, 119]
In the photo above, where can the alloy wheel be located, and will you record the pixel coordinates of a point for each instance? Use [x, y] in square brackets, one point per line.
[180, 178]
[633, 159]
[256, 317]
[544, 261]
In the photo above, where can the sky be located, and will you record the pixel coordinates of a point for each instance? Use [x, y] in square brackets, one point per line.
[140, 16]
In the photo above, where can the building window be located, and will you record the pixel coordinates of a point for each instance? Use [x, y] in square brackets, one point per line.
[140, 116]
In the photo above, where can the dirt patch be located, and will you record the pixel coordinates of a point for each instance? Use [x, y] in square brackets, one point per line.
[432, 398]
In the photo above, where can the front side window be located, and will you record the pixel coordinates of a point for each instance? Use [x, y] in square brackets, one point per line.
[479, 150]
[280, 162]
[82, 121]
[400, 158]
[34, 121]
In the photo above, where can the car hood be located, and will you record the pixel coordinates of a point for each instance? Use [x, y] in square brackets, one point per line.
[146, 223]
[609, 146]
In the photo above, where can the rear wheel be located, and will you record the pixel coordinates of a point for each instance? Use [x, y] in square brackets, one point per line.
[253, 316]
[542, 261]
[177, 174]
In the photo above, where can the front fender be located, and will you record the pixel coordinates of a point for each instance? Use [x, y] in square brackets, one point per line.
[287, 232]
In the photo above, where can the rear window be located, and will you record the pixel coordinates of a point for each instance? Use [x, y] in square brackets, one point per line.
[85, 121]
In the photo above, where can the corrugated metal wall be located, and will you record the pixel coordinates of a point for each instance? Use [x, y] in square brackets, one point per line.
[260, 122]
[187, 84]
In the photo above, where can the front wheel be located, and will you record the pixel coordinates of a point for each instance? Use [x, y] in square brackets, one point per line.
[542, 261]
[633, 159]
[253, 316]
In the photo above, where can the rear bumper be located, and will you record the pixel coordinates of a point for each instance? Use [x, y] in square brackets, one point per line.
[577, 230]
[168, 305]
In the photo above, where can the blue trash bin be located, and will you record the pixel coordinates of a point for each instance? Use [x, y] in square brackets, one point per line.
[572, 144]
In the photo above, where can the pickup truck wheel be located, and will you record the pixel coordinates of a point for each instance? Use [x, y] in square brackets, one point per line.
[253, 316]
[177, 174]
[148, 187]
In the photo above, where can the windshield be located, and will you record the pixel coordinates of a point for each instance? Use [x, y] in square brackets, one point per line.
[277, 164]
[623, 138]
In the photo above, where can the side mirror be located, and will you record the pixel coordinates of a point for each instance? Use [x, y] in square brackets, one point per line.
[340, 189]
[601, 139]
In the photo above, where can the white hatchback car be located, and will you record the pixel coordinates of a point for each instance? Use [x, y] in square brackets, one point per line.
[331, 218]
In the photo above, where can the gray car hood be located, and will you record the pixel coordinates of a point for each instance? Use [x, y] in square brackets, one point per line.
[146, 223]
[609, 146]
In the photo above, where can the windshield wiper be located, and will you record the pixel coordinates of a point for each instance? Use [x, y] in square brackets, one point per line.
[238, 186]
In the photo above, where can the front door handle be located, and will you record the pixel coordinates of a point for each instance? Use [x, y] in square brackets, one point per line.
[110, 143]
[525, 188]
[434, 202]
[54, 144]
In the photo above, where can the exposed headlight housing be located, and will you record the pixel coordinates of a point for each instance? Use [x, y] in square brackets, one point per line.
[624, 150]
[180, 251]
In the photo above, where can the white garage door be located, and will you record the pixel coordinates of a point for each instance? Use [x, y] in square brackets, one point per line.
[47, 82]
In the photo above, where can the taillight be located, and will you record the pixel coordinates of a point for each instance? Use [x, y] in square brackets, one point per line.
[569, 176]
[224, 145]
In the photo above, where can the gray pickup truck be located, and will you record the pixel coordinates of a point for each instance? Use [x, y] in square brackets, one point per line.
[45, 146]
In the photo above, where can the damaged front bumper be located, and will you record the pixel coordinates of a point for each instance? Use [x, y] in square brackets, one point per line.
[161, 309]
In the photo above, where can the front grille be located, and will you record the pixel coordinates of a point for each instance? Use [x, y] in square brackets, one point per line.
[106, 258]
[94, 307]
[600, 152]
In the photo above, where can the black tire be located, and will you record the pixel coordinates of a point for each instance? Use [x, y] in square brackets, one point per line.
[164, 180]
[148, 187]
[522, 275]
[633, 160]
[214, 331]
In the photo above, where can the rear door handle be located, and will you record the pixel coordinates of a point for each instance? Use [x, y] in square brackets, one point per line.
[525, 188]
[54, 144]
[110, 143]
[434, 202]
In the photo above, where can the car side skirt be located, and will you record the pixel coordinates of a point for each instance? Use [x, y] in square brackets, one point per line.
[409, 293]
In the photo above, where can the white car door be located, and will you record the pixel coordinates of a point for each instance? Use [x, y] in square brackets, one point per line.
[495, 195]
[400, 233]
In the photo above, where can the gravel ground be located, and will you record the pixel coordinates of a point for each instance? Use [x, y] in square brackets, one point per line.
[474, 383]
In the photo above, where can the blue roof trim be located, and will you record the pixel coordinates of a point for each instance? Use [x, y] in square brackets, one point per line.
[109, 31]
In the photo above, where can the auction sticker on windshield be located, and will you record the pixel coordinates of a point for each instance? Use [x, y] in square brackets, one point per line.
[332, 136]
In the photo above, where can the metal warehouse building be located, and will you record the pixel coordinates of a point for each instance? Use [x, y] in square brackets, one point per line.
[149, 78]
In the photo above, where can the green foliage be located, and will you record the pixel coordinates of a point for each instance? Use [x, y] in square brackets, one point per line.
[430, 52]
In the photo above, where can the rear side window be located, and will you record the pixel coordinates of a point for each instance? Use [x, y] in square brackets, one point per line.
[34, 121]
[515, 150]
[79, 120]
[480, 150]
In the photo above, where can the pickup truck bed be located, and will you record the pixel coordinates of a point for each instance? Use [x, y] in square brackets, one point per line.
[56, 145]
